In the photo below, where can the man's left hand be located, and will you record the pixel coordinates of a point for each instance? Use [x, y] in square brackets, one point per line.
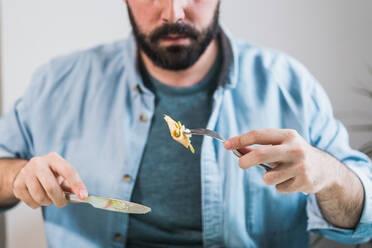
[297, 166]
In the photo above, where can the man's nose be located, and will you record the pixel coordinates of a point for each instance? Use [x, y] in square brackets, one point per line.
[173, 11]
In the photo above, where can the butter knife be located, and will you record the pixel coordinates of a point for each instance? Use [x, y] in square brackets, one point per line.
[110, 204]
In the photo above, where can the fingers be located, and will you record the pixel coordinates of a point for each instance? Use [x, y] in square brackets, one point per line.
[288, 178]
[264, 154]
[280, 174]
[287, 186]
[51, 187]
[21, 192]
[64, 184]
[69, 173]
[262, 136]
[278, 146]
[292, 185]
[26, 198]
[42, 181]
[37, 192]
[245, 150]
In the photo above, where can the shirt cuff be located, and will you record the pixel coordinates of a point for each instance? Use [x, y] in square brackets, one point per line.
[365, 178]
[6, 154]
[362, 233]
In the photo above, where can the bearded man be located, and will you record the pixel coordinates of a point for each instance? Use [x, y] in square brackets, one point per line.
[93, 120]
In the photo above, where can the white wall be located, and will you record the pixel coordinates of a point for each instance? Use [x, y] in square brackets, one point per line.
[332, 38]
[2, 216]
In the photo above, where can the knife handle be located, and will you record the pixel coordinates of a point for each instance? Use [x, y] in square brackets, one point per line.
[73, 198]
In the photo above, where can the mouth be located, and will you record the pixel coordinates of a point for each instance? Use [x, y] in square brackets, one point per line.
[174, 39]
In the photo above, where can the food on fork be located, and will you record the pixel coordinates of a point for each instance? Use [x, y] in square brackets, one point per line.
[177, 132]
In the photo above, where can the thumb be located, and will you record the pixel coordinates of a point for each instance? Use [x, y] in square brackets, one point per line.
[64, 184]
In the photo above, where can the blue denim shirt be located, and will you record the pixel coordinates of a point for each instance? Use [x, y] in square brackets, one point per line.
[88, 106]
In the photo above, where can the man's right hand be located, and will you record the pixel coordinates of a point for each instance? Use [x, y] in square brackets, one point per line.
[43, 180]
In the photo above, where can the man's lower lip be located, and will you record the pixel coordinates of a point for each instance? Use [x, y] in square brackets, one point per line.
[179, 40]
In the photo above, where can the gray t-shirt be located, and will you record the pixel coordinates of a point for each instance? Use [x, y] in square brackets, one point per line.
[169, 178]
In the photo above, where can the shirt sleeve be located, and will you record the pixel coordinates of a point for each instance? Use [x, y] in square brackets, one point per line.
[328, 134]
[16, 139]
[15, 126]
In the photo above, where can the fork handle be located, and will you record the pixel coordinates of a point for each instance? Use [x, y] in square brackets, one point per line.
[263, 165]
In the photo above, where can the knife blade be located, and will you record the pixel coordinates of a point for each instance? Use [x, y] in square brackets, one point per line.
[110, 204]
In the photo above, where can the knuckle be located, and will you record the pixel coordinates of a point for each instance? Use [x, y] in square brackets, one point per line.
[34, 206]
[69, 168]
[53, 155]
[254, 134]
[39, 198]
[47, 202]
[31, 204]
[305, 180]
[61, 204]
[17, 184]
[272, 177]
[73, 176]
[241, 164]
[297, 151]
[17, 194]
[280, 189]
[58, 205]
[267, 179]
[291, 133]
[50, 189]
[260, 150]
[240, 141]
[259, 154]
[35, 161]
[283, 189]
[18, 190]
[302, 168]
[64, 203]
[69, 172]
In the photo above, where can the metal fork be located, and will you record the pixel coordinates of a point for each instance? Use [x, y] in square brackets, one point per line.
[213, 134]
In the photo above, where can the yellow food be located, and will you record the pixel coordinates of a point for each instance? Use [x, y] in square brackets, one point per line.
[177, 132]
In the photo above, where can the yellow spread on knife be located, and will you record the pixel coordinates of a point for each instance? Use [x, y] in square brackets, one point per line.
[177, 132]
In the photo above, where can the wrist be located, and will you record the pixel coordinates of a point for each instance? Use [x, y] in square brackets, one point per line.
[16, 168]
[341, 202]
[334, 181]
[11, 169]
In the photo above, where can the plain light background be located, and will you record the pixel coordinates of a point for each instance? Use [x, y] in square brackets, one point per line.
[332, 38]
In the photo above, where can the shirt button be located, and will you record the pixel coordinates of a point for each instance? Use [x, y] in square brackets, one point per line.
[137, 88]
[127, 178]
[143, 118]
[118, 237]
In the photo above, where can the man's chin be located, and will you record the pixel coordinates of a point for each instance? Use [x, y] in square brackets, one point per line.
[175, 50]
[174, 57]
[175, 64]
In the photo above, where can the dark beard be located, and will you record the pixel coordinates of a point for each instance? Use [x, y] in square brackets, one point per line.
[176, 57]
